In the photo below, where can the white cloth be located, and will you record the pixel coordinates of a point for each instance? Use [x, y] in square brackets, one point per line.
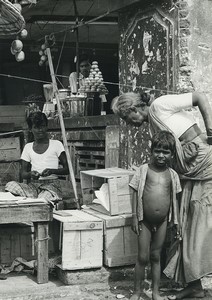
[170, 110]
[49, 159]
[73, 81]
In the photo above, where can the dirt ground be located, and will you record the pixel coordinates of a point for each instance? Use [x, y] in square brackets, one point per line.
[110, 285]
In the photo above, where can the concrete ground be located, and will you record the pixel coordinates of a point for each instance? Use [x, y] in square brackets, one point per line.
[84, 285]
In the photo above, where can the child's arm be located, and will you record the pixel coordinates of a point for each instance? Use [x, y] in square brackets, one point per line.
[135, 226]
[179, 229]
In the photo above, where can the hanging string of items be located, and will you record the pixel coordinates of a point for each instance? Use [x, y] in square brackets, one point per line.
[49, 43]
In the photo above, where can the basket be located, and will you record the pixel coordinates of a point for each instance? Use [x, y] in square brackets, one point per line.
[11, 21]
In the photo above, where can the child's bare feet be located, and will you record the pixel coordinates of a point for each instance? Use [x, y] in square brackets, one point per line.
[135, 296]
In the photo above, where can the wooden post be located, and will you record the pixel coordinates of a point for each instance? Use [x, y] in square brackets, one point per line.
[56, 93]
[42, 251]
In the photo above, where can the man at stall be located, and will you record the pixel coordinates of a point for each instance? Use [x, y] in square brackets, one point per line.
[84, 71]
[43, 161]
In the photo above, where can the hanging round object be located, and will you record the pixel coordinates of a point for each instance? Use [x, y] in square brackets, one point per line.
[23, 33]
[43, 47]
[41, 52]
[20, 56]
[40, 63]
[43, 58]
[12, 51]
[17, 45]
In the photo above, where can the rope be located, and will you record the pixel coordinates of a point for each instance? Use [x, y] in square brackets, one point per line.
[107, 82]
[41, 240]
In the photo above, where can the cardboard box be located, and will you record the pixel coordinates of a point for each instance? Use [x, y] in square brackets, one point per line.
[120, 194]
[81, 239]
[120, 242]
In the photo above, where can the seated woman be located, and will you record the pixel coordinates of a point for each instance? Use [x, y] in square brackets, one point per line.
[40, 163]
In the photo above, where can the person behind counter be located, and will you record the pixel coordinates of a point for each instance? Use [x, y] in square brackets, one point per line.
[40, 163]
[84, 71]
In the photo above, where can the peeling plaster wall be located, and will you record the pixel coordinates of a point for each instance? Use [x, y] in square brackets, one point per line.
[195, 48]
[147, 61]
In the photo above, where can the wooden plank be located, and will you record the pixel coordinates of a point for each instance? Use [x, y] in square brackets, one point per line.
[114, 241]
[71, 247]
[112, 146]
[27, 245]
[9, 171]
[82, 264]
[125, 204]
[20, 214]
[7, 127]
[89, 225]
[88, 135]
[123, 185]
[130, 242]
[119, 261]
[86, 121]
[12, 110]
[42, 252]
[10, 149]
[114, 204]
[15, 246]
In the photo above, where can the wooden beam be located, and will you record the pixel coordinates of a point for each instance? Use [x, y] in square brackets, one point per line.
[86, 122]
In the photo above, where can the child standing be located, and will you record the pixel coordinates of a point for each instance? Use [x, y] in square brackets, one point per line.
[155, 186]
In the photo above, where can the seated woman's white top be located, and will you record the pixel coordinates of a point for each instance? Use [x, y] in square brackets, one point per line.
[170, 109]
[49, 159]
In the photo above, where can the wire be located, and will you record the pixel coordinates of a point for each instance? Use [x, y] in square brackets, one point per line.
[24, 78]
[130, 86]
[61, 52]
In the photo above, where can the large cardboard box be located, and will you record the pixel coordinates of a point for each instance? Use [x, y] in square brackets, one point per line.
[120, 194]
[120, 242]
[81, 239]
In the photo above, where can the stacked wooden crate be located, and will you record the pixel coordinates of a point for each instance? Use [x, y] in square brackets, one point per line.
[93, 236]
[10, 153]
[81, 240]
[16, 240]
[119, 241]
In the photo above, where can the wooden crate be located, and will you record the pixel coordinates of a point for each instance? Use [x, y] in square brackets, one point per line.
[120, 242]
[16, 240]
[81, 239]
[9, 171]
[10, 149]
[13, 114]
[120, 194]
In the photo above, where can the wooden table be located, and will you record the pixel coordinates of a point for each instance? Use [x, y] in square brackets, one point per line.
[38, 212]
